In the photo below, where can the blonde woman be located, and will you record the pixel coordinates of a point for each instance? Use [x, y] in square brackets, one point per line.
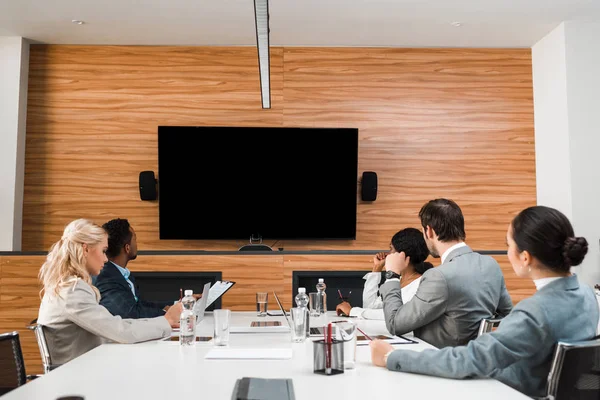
[74, 320]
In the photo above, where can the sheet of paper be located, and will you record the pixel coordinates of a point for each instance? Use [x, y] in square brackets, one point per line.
[259, 329]
[249, 354]
[362, 341]
[217, 290]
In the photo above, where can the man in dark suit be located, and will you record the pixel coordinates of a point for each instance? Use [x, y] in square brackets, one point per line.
[115, 282]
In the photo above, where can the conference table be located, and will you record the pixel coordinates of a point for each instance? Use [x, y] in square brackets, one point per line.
[164, 370]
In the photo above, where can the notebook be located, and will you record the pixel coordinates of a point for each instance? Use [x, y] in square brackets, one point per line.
[263, 389]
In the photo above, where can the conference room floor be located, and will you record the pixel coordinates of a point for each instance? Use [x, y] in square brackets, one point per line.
[165, 370]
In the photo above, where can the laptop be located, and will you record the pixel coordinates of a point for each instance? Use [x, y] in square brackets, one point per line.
[282, 309]
[200, 305]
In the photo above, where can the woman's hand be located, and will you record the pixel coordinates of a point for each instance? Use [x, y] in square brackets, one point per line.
[379, 349]
[343, 309]
[379, 262]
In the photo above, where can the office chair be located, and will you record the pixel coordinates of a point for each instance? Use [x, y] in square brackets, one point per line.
[488, 325]
[42, 345]
[12, 365]
[575, 371]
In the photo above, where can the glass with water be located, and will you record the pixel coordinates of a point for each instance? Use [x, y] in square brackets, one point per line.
[261, 303]
[221, 336]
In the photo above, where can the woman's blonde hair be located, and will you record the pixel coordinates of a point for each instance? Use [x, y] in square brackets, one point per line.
[66, 257]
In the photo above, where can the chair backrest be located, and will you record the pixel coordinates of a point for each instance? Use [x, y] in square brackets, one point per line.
[12, 367]
[42, 345]
[575, 371]
[488, 325]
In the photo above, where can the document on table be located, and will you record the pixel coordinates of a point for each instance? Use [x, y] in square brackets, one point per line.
[249, 354]
[363, 341]
[259, 329]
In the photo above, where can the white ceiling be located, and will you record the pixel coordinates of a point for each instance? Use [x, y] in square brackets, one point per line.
[402, 23]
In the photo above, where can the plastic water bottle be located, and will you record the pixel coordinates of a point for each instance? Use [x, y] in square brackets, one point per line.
[322, 295]
[188, 301]
[302, 302]
[187, 320]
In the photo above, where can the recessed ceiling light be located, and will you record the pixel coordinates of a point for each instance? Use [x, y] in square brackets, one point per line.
[78, 22]
[456, 24]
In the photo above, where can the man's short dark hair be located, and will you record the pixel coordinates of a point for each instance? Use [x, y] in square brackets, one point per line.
[445, 218]
[119, 234]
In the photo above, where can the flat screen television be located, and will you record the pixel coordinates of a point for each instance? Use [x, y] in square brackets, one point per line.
[272, 183]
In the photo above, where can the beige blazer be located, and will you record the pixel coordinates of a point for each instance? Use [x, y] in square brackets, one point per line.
[75, 323]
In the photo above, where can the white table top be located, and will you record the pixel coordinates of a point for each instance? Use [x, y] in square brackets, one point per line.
[165, 370]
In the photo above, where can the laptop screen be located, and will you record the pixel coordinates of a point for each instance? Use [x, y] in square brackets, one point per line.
[200, 305]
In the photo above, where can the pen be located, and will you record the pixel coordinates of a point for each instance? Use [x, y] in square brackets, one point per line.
[340, 293]
[367, 336]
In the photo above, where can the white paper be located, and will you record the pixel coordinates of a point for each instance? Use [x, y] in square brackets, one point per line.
[216, 291]
[259, 329]
[249, 354]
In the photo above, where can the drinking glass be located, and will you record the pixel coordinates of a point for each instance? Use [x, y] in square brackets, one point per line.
[261, 303]
[314, 302]
[346, 332]
[221, 336]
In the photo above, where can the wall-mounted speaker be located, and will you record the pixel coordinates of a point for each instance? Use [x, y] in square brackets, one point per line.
[368, 187]
[148, 186]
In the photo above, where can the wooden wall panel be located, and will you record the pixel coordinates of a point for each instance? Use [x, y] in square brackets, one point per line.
[433, 122]
[93, 114]
[454, 123]
[20, 303]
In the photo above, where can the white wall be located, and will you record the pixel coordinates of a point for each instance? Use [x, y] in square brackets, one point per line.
[566, 83]
[583, 87]
[553, 169]
[14, 73]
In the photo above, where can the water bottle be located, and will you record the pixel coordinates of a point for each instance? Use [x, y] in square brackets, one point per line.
[302, 302]
[188, 301]
[322, 295]
[187, 320]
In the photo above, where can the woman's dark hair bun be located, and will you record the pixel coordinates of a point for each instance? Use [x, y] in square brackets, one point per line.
[574, 250]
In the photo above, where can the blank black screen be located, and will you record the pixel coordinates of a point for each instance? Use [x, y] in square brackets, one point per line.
[276, 183]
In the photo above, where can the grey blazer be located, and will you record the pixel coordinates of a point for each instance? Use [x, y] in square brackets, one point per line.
[519, 353]
[75, 323]
[451, 301]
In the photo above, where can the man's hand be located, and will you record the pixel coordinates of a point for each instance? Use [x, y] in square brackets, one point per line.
[343, 309]
[173, 315]
[197, 296]
[396, 262]
[379, 262]
[379, 349]
[166, 308]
